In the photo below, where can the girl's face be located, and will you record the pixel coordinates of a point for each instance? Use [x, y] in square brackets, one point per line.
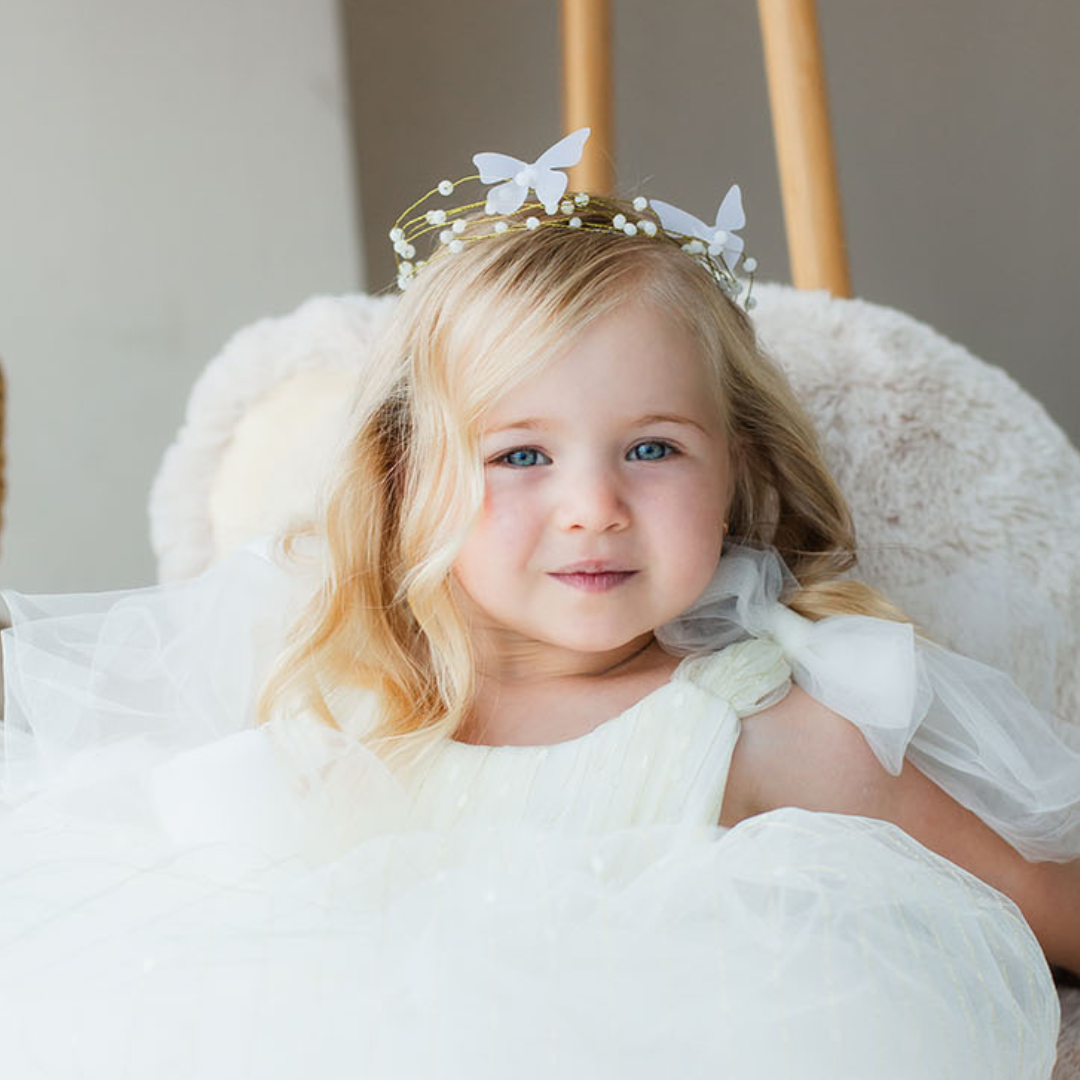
[612, 454]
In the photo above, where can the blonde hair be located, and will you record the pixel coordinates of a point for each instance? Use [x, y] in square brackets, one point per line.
[471, 326]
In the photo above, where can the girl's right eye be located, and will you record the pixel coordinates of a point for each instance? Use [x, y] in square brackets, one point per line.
[510, 455]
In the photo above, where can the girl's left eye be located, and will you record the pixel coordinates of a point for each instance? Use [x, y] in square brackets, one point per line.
[655, 444]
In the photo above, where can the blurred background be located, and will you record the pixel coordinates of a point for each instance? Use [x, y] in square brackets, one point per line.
[172, 172]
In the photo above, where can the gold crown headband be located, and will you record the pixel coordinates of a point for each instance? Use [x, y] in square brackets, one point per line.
[717, 247]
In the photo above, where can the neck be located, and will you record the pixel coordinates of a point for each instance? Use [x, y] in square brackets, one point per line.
[647, 644]
[508, 660]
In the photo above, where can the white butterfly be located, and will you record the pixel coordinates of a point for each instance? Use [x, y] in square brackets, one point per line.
[540, 175]
[719, 238]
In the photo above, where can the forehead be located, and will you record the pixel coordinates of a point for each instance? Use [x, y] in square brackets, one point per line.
[632, 363]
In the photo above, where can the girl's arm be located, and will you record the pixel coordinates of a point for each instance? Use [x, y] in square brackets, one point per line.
[801, 753]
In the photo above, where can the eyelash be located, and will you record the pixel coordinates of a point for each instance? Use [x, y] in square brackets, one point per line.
[501, 459]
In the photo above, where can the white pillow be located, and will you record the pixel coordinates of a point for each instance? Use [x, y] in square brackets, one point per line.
[204, 501]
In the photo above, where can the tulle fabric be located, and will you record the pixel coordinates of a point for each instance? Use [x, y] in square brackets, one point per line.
[95, 681]
[795, 944]
[965, 725]
[186, 895]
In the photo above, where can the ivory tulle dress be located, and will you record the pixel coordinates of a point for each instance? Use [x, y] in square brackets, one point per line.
[183, 894]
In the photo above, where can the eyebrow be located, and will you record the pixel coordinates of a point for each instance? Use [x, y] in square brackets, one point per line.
[642, 421]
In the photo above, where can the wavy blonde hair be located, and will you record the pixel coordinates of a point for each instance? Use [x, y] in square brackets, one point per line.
[388, 617]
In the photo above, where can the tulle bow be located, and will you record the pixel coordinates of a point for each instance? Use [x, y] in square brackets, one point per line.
[965, 725]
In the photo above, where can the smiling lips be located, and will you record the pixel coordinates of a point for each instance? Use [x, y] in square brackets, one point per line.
[593, 575]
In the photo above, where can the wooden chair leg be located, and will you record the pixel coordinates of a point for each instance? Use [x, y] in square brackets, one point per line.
[587, 94]
[804, 148]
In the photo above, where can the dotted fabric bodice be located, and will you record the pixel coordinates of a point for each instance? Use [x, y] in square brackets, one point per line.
[664, 760]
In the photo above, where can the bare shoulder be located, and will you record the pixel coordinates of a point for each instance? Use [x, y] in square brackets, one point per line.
[799, 752]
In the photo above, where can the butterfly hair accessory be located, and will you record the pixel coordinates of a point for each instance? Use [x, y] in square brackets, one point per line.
[510, 209]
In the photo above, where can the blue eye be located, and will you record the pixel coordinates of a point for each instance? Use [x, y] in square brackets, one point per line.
[508, 457]
[656, 445]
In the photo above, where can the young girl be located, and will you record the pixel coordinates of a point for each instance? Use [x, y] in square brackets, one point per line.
[560, 741]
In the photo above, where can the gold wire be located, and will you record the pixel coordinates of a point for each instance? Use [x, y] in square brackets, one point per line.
[433, 191]
[719, 270]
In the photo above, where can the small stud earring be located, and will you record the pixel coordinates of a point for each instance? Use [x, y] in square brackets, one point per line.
[725, 524]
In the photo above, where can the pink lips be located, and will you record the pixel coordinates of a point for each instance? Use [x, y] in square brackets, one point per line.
[593, 575]
[594, 582]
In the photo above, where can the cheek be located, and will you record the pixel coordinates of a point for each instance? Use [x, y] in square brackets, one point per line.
[498, 535]
[688, 524]
[503, 514]
[698, 501]
[509, 507]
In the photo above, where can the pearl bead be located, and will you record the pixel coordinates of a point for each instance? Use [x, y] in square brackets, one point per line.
[458, 227]
[409, 251]
[749, 265]
[640, 203]
[582, 198]
[751, 303]
[435, 217]
[396, 234]
[720, 237]
[566, 206]
[647, 227]
[456, 246]
[619, 220]
[445, 236]
[575, 223]
[532, 223]
[446, 187]
[630, 229]
[501, 226]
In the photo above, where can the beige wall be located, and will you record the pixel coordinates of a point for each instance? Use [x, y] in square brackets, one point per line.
[957, 126]
[169, 172]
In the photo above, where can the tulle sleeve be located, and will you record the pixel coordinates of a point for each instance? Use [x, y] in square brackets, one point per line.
[964, 724]
[92, 680]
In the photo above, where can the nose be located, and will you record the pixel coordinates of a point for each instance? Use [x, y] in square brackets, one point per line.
[591, 498]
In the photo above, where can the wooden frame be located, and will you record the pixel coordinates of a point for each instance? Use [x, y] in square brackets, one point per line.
[797, 94]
